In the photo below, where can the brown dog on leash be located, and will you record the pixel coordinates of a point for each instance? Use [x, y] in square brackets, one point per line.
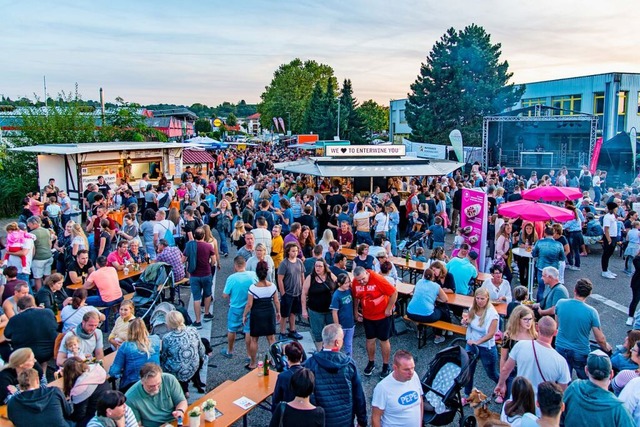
[480, 404]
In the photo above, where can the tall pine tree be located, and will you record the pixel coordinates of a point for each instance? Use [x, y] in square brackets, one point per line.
[351, 124]
[462, 81]
[313, 117]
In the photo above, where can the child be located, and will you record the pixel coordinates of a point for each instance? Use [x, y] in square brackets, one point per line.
[72, 346]
[53, 208]
[436, 233]
[419, 255]
[342, 311]
[16, 238]
[458, 240]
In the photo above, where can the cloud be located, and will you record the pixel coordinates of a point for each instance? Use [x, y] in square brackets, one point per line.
[209, 52]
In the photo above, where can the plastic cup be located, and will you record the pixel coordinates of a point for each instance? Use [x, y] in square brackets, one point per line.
[260, 368]
[126, 270]
[465, 316]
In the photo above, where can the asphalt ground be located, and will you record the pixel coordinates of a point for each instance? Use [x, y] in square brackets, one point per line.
[610, 299]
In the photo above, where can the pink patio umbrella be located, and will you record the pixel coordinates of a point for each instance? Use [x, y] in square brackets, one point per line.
[534, 211]
[552, 194]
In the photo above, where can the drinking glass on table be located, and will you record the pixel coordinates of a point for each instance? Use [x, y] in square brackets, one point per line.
[465, 317]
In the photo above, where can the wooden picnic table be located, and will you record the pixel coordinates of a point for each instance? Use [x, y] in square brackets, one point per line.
[253, 386]
[116, 215]
[121, 276]
[459, 300]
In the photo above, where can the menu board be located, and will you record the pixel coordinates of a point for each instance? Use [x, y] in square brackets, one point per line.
[473, 222]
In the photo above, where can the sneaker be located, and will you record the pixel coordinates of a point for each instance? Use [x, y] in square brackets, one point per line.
[612, 273]
[295, 335]
[573, 267]
[607, 275]
[369, 369]
[283, 336]
[629, 321]
[449, 334]
[438, 340]
[197, 325]
[208, 317]
[225, 353]
[386, 370]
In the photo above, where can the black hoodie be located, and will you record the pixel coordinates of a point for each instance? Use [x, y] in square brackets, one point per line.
[45, 406]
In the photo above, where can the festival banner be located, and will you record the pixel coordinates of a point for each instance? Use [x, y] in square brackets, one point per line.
[473, 222]
[282, 124]
[596, 155]
[275, 121]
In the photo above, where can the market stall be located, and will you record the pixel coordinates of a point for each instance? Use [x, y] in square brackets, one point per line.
[73, 166]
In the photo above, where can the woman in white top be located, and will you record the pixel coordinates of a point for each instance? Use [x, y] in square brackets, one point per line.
[482, 325]
[261, 255]
[381, 220]
[610, 239]
[78, 239]
[499, 289]
[522, 403]
[327, 237]
[72, 314]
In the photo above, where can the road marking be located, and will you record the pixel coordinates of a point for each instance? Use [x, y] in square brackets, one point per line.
[610, 303]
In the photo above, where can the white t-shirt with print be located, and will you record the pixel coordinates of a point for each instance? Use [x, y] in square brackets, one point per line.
[400, 401]
[475, 331]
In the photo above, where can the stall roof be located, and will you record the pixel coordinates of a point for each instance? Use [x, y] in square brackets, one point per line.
[405, 166]
[94, 147]
[193, 157]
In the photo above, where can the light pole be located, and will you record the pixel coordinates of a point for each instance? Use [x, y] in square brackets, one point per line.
[338, 126]
[289, 121]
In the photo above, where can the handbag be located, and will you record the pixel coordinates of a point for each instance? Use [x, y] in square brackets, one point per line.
[283, 406]
[533, 344]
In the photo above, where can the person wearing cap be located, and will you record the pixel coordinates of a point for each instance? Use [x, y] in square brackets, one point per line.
[589, 402]
[610, 239]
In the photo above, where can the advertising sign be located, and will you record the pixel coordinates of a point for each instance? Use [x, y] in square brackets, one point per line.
[473, 222]
[109, 179]
[364, 150]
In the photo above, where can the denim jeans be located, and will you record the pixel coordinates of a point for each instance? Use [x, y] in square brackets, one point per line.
[363, 237]
[575, 361]
[224, 245]
[574, 244]
[96, 301]
[393, 236]
[489, 358]
[541, 285]
[347, 342]
[317, 321]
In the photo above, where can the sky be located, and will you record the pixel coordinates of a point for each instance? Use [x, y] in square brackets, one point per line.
[212, 51]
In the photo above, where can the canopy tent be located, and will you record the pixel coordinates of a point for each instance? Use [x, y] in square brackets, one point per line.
[194, 156]
[362, 167]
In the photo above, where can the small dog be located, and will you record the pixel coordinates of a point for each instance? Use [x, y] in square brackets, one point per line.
[479, 402]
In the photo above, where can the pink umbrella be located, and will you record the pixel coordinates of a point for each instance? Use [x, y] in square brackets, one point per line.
[534, 211]
[552, 194]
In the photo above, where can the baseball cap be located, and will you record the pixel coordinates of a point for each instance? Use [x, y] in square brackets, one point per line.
[599, 365]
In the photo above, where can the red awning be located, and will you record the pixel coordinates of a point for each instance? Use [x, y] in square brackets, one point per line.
[194, 157]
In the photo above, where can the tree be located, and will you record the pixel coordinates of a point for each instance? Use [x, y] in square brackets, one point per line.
[374, 116]
[290, 92]
[462, 81]
[202, 126]
[314, 112]
[232, 120]
[351, 123]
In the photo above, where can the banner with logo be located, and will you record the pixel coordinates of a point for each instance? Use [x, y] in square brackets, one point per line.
[456, 142]
[281, 123]
[596, 155]
[473, 222]
[275, 121]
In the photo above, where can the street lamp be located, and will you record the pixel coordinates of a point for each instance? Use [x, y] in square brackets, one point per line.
[338, 126]
[288, 121]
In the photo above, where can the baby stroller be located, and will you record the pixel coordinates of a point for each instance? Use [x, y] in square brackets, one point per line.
[447, 373]
[410, 242]
[158, 320]
[149, 290]
[278, 358]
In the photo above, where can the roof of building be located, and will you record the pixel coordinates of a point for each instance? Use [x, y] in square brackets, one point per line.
[254, 116]
[175, 112]
[96, 147]
[579, 77]
[192, 156]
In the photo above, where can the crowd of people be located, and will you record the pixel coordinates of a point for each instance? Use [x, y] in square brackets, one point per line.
[285, 233]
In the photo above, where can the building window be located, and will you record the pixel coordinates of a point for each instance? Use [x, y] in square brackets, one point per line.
[598, 103]
[567, 105]
[622, 103]
[530, 102]
[403, 118]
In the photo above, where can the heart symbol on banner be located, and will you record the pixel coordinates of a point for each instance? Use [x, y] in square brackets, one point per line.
[344, 150]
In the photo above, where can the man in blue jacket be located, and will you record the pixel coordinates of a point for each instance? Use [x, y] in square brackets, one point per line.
[338, 384]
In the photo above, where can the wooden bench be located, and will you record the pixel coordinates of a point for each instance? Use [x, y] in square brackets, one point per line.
[446, 326]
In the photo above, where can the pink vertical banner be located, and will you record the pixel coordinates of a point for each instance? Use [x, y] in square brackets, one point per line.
[473, 222]
[275, 121]
[282, 124]
[596, 155]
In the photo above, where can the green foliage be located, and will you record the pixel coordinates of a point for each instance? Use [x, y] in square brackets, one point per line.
[314, 115]
[290, 91]
[232, 120]
[374, 116]
[351, 123]
[462, 81]
[127, 116]
[202, 126]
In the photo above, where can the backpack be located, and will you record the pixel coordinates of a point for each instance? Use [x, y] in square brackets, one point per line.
[168, 236]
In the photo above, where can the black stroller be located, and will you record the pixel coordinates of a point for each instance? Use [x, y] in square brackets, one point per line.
[447, 373]
[410, 242]
[150, 289]
[278, 358]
